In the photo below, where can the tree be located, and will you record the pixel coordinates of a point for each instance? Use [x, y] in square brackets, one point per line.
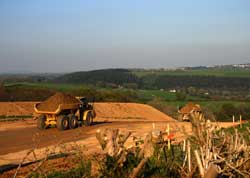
[130, 85]
[226, 112]
[180, 96]
[192, 90]
[3, 93]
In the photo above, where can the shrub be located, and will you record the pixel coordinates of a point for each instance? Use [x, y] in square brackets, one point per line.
[82, 170]
[180, 96]
[227, 111]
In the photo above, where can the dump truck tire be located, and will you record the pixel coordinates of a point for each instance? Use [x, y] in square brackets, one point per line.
[73, 122]
[93, 115]
[62, 122]
[89, 119]
[41, 122]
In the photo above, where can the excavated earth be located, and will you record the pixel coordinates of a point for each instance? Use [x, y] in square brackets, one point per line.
[52, 103]
[22, 135]
[16, 108]
[104, 111]
[17, 138]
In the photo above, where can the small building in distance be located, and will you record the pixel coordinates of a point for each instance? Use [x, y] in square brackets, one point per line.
[186, 111]
[172, 91]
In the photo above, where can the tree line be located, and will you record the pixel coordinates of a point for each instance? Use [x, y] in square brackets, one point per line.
[124, 78]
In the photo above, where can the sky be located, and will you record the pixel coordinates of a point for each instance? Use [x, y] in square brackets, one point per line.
[80, 35]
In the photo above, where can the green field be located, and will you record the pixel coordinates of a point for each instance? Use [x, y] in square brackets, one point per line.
[211, 105]
[142, 94]
[243, 130]
[166, 97]
[146, 95]
[163, 100]
[58, 87]
[151, 94]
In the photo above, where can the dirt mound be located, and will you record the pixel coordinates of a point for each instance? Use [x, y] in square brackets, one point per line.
[129, 111]
[52, 103]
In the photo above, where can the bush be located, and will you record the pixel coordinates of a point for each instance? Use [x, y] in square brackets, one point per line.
[110, 166]
[24, 93]
[180, 96]
[116, 96]
[82, 170]
[164, 163]
[227, 111]
[131, 85]
[161, 106]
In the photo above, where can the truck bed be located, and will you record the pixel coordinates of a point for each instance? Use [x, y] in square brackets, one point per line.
[59, 109]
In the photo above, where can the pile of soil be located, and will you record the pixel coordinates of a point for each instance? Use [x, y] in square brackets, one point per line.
[52, 103]
[129, 111]
[16, 108]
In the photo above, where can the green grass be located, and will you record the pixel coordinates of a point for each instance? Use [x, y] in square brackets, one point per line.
[151, 94]
[83, 169]
[58, 87]
[243, 130]
[165, 97]
[201, 72]
[211, 105]
[142, 94]
[148, 95]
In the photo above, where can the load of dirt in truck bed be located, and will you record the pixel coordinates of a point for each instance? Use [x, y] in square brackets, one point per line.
[52, 103]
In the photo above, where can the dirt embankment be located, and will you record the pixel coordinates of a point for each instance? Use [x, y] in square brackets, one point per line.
[16, 108]
[129, 111]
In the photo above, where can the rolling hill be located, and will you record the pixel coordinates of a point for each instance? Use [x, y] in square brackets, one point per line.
[114, 76]
[156, 79]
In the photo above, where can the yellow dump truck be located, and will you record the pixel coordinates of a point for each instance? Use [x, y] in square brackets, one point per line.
[189, 109]
[66, 116]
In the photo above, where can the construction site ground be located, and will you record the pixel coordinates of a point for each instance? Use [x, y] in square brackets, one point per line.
[17, 138]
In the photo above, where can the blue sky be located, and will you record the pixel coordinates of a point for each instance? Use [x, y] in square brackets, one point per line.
[65, 36]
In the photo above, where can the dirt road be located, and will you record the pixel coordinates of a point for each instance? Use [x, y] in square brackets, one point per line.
[15, 143]
[14, 140]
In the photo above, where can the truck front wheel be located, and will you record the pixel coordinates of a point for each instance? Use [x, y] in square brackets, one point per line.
[89, 119]
[62, 122]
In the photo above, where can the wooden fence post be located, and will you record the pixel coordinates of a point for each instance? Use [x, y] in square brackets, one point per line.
[168, 132]
[198, 159]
